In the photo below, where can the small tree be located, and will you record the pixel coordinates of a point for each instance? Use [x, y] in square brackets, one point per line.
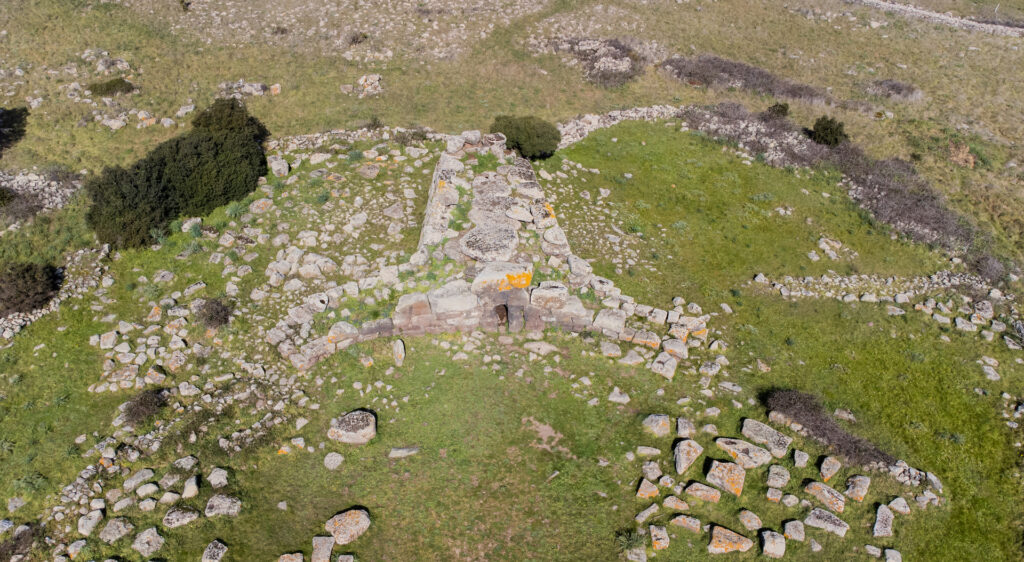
[828, 131]
[778, 110]
[25, 287]
[532, 137]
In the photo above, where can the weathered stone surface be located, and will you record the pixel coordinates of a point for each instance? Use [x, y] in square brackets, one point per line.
[355, 428]
[821, 519]
[490, 243]
[773, 545]
[674, 503]
[148, 542]
[746, 454]
[883, 522]
[611, 319]
[794, 530]
[504, 276]
[87, 523]
[829, 467]
[137, 478]
[724, 541]
[322, 547]
[116, 529]
[685, 453]
[218, 478]
[214, 551]
[333, 460]
[455, 297]
[348, 525]
[687, 522]
[750, 520]
[778, 476]
[857, 487]
[728, 476]
[703, 492]
[659, 425]
[178, 516]
[221, 504]
[665, 365]
[826, 495]
[659, 537]
[646, 513]
[776, 442]
[647, 489]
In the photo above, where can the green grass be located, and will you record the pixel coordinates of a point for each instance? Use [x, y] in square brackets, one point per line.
[707, 223]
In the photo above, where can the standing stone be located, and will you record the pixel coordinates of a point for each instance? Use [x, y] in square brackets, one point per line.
[794, 530]
[398, 352]
[348, 525]
[883, 522]
[778, 476]
[773, 545]
[857, 487]
[218, 478]
[357, 427]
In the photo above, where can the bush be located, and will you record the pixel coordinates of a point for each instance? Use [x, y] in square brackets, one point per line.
[144, 405]
[220, 160]
[16, 207]
[896, 90]
[828, 131]
[533, 137]
[111, 87]
[777, 111]
[25, 287]
[214, 313]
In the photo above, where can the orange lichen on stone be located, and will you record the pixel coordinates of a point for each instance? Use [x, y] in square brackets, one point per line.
[516, 281]
[675, 503]
[650, 339]
[647, 489]
[826, 495]
[659, 537]
[550, 210]
[686, 522]
[703, 492]
[723, 541]
[727, 476]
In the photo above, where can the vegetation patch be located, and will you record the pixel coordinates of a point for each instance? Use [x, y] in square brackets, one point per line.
[220, 160]
[25, 287]
[716, 72]
[111, 87]
[532, 137]
[215, 313]
[806, 410]
[895, 90]
[144, 405]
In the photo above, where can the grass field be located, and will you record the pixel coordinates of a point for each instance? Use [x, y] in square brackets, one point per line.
[513, 462]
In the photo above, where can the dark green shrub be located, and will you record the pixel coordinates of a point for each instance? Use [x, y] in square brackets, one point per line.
[533, 137]
[777, 111]
[144, 405]
[828, 131]
[214, 313]
[220, 160]
[25, 287]
[111, 87]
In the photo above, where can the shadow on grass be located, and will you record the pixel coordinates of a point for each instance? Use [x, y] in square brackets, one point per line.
[12, 126]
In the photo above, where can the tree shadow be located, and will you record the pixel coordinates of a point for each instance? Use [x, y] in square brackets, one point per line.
[12, 126]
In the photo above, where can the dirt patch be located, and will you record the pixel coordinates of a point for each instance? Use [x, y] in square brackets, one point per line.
[547, 438]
